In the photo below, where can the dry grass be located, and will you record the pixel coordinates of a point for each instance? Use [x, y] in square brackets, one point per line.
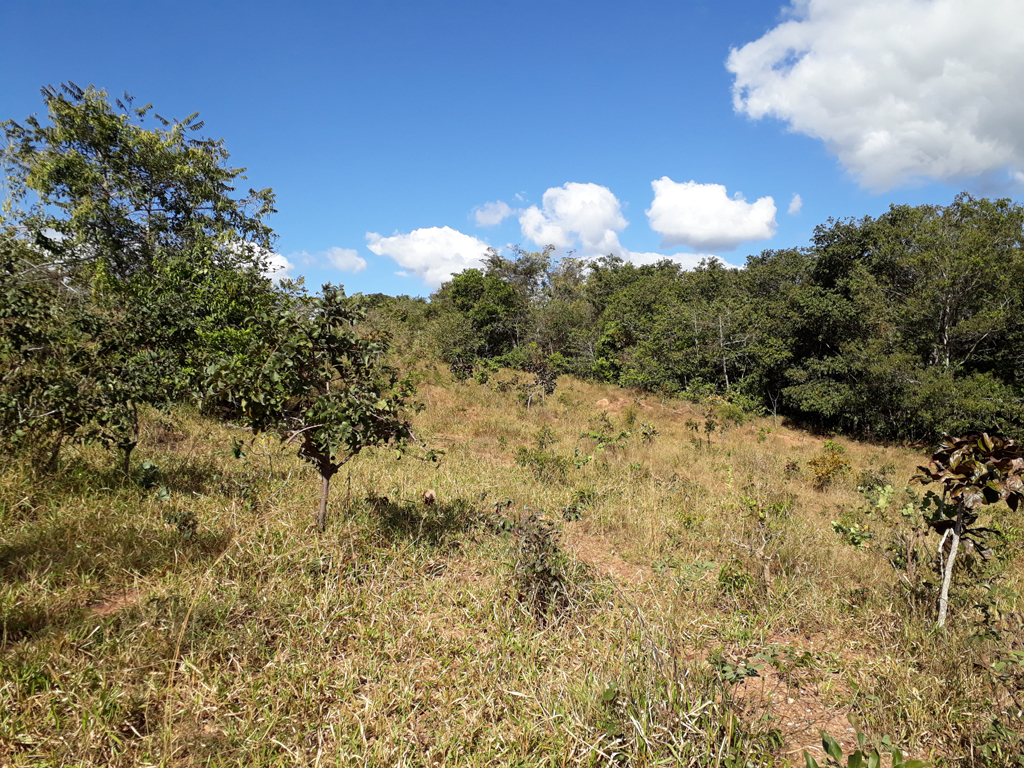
[399, 637]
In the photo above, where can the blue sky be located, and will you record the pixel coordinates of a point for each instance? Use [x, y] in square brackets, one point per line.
[387, 128]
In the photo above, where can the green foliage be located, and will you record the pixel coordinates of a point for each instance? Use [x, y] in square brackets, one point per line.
[629, 417]
[975, 471]
[545, 465]
[855, 534]
[581, 499]
[733, 579]
[539, 573]
[735, 671]
[132, 265]
[897, 327]
[862, 757]
[541, 386]
[313, 379]
[182, 520]
[545, 437]
[122, 197]
[648, 432]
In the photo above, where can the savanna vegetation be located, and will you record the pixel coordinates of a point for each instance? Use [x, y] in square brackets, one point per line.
[897, 328]
[564, 513]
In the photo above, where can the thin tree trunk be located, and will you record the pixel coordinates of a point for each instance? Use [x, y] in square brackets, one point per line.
[947, 576]
[126, 458]
[51, 465]
[321, 515]
[721, 344]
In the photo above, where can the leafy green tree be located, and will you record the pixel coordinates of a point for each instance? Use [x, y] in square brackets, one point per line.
[492, 307]
[311, 378]
[45, 359]
[137, 235]
[893, 326]
[526, 271]
[121, 197]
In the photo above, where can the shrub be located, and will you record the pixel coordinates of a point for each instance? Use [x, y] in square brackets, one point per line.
[546, 465]
[539, 572]
[829, 465]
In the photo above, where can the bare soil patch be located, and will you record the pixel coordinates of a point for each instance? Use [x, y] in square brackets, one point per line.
[114, 603]
[598, 552]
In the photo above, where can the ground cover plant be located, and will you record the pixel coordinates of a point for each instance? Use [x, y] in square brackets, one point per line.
[696, 607]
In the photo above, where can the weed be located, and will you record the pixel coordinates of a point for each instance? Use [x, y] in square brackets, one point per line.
[629, 417]
[648, 432]
[147, 475]
[539, 571]
[862, 756]
[855, 534]
[545, 465]
[545, 437]
[733, 671]
[581, 499]
[733, 579]
[183, 520]
[461, 370]
[603, 433]
[829, 465]
[638, 472]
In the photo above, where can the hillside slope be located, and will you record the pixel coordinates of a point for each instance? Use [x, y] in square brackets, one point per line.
[600, 579]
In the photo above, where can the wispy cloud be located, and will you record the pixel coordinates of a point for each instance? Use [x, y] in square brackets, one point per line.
[492, 214]
[342, 259]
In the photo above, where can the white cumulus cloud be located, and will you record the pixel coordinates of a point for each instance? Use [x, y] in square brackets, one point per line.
[704, 216]
[587, 215]
[278, 267]
[433, 253]
[899, 90]
[795, 205]
[492, 214]
[346, 259]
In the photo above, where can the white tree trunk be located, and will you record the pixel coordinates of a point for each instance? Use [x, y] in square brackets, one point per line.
[946, 576]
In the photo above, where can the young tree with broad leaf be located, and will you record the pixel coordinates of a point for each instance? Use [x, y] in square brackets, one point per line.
[975, 471]
[312, 378]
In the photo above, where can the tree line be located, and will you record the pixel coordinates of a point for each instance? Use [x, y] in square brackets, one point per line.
[133, 273]
[900, 327]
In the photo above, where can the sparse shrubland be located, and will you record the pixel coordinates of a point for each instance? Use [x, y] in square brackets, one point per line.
[658, 575]
[701, 612]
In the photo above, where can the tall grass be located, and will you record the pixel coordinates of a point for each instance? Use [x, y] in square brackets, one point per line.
[192, 616]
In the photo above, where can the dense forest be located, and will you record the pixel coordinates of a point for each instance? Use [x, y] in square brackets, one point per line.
[896, 328]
